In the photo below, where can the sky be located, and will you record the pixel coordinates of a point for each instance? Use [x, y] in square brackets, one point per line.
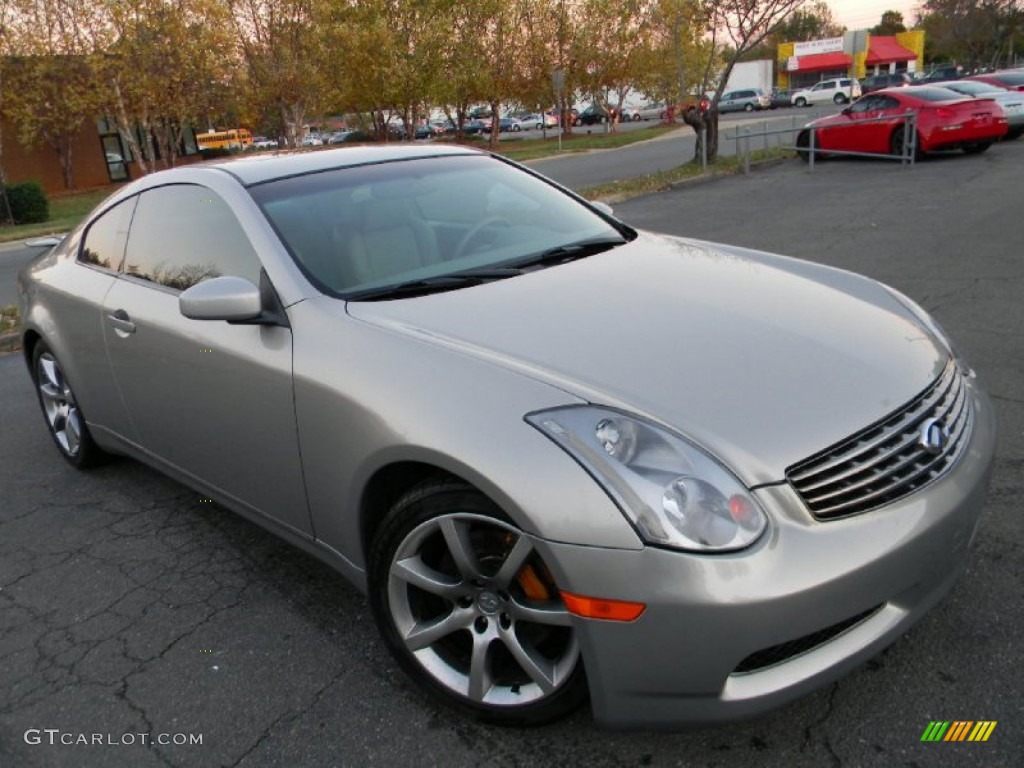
[861, 14]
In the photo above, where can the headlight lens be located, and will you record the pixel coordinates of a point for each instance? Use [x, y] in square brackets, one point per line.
[674, 493]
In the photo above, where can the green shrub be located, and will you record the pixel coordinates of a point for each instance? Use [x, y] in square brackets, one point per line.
[28, 203]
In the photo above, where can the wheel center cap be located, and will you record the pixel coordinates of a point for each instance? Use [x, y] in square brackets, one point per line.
[488, 602]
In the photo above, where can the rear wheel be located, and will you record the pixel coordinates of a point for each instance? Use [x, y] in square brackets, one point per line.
[840, 98]
[896, 143]
[801, 102]
[977, 147]
[63, 415]
[469, 609]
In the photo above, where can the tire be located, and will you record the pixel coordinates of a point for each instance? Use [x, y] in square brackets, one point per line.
[469, 610]
[801, 102]
[748, 107]
[803, 143]
[896, 144]
[839, 99]
[977, 147]
[63, 416]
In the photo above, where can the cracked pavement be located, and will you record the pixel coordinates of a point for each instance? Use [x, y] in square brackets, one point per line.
[130, 606]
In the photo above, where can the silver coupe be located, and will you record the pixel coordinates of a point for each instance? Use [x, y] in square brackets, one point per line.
[563, 458]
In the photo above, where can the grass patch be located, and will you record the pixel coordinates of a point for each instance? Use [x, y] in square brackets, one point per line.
[10, 318]
[580, 142]
[65, 212]
[662, 180]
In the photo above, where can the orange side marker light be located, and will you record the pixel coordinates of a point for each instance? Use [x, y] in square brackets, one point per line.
[598, 608]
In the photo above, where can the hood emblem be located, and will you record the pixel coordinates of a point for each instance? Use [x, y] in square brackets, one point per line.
[933, 437]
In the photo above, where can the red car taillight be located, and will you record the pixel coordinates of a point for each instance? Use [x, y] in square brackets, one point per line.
[944, 113]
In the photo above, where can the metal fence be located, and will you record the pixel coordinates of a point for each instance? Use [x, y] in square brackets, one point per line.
[746, 144]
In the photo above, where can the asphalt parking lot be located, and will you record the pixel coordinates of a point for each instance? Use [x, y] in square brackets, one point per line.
[129, 606]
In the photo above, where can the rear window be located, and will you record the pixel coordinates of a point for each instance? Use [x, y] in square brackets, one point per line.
[1010, 78]
[932, 93]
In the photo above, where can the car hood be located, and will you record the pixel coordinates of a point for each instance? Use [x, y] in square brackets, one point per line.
[760, 359]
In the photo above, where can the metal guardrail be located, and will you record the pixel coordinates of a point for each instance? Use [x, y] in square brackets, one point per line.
[742, 137]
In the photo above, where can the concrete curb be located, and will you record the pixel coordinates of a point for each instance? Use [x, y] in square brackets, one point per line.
[10, 341]
[715, 175]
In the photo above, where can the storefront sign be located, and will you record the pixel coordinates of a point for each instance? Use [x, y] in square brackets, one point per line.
[828, 45]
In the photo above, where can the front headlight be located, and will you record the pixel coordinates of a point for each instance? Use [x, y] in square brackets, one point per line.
[675, 494]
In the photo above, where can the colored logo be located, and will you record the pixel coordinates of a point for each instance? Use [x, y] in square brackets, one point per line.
[958, 730]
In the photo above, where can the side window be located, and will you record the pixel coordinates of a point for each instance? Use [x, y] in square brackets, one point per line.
[103, 244]
[184, 234]
[830, 85]
[887, 102]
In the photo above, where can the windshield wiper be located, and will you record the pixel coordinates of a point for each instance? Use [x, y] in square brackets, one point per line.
[438, 284]
[571, 252]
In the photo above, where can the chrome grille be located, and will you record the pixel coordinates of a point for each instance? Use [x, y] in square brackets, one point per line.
[889, 459]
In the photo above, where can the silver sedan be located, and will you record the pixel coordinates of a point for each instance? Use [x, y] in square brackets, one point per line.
[561, 457]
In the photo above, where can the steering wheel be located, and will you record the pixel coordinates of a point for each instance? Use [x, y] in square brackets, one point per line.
[475, 230]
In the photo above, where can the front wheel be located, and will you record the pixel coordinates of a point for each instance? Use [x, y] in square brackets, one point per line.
[470, 611]
[748, 107]
[64, 417]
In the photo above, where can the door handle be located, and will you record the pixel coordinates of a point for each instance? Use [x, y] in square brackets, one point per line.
[122, 323]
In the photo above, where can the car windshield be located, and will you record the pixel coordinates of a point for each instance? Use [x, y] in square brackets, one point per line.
[428, 221]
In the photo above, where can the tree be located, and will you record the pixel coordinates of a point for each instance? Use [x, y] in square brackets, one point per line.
[282, 48]
[736, 27]
[165, 71]
[49, 80]
[891, 23]
[812, 22]
[970, 32]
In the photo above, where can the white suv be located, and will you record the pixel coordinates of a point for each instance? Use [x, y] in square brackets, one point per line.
[838, 91]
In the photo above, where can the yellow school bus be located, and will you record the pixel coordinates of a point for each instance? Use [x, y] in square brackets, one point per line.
[234, 138]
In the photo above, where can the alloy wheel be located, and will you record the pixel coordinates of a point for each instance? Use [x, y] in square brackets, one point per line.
[478, 611]
[59, 405]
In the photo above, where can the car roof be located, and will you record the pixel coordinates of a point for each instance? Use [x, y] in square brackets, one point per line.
[256, 169]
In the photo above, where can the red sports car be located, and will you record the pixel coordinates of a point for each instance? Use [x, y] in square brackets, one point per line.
[1010, 79]
[945, 120]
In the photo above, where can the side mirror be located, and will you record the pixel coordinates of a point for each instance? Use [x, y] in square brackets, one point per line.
[603, 208]
[221, 298]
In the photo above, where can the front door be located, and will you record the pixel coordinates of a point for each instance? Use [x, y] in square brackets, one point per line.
[209, 399]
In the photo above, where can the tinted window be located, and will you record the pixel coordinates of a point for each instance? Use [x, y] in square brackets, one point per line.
[931, 93]
[1010, 78]
[886, 102]
[184, 234]
[103, 244]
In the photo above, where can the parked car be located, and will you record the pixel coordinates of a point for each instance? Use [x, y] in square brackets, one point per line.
[945, 120]
[1012, 102]
[838, 91]
[780, 98]
[744, 99]
[349, 137]
[1011, 79]
[505, 125]
[470, 127]
[479, 113]
[539, 121]
[264, 142]
[653, 110]
[312, 140]
[397, 358]
[885, 80]
[594, 115]
[429, 130]
[942, 72]
[630, 113]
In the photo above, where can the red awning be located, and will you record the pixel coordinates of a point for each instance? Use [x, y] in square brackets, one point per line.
[817, 62]
[885, 50]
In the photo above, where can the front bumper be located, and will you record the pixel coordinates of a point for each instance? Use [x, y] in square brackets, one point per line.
[708, 615]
